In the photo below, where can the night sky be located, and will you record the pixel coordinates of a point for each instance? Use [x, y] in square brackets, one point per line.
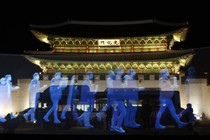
[15, 36]
[15, 27]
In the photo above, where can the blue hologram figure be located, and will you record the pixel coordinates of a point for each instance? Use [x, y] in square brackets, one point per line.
[166, 93]
[191, 72]
[34, 89]
[71, 103]
[131, 96]
[3, 94]
[109, 83]
[111, 76]
[119, 110]
[87, 98]
[56, 89]
[10, 88]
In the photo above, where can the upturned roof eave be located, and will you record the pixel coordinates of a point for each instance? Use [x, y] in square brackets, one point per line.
[46, 30]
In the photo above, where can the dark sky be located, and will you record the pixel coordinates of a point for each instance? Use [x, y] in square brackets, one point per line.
[15, 36]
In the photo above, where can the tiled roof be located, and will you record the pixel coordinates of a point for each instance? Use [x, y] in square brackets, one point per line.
[108, 29]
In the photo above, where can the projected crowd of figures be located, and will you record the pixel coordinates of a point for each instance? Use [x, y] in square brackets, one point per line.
[122, 98]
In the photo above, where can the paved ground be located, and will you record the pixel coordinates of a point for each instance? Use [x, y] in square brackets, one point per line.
[20, 126]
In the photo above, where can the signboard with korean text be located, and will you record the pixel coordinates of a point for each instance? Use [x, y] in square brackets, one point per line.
[109, 42]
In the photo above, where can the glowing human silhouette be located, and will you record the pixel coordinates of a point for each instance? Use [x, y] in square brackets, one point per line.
[87, 98]
[56, 89]
[119, 110]
[10, 88]
[109, 83]
[3, 96]
[166, 93]
[131, 96]
[33, 89]
[191, 72]
[71, 100]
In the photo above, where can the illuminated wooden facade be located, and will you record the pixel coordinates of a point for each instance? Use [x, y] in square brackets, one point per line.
[146, 52]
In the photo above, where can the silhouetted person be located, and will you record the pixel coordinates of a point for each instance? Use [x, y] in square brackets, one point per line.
[188, 115]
